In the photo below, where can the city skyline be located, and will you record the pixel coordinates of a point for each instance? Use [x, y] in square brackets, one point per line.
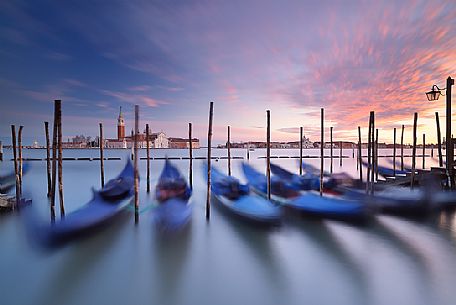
[172, 59]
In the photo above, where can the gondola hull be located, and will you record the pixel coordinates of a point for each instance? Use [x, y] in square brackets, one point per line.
[311, 204]
[172, 215]
[250, 208]
[174, 212]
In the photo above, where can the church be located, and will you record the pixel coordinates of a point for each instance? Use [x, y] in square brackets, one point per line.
[156, 140]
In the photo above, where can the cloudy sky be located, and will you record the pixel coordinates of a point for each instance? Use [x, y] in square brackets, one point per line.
[174, 57]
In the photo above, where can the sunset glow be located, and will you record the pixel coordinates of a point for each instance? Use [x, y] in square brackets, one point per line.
[248, 56]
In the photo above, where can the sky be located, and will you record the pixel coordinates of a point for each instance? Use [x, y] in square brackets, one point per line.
[173, 57]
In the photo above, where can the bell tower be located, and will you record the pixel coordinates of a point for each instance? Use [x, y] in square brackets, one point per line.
[120, 126]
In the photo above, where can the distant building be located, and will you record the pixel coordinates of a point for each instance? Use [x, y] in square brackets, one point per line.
[155, 140]
[120, 126]
[183, 143]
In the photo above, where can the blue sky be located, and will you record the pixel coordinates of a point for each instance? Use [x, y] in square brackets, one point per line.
[174, 57]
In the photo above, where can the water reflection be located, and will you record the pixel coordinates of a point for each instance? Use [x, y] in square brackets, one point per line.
[225, 261]
[318, 232]
[79, 262]
[171, 253]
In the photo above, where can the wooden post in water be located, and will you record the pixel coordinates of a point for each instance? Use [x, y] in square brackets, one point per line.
[148, 158]
[353, 150]
[373, 153]
[449, 136]
[268, 151]
[136, 176]
[376, 155]
[209, 143]
[300, 149]
[190, 156]
[1, 151]
[415, 119]
[331, 149]
[100, 144]
[340, 153]
[48, 158]
[394, 152]
[424, 151]
[439, 139]
[54, 162]
[13, 137]
[369, 167]
[432, 150]
[360, 155]
[402, 148]
[60, 176]
[322, 145]
[19, 140]
[228, 146]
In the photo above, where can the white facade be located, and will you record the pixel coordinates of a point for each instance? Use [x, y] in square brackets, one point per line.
[161, 141]
[116, 144]
[306, 143]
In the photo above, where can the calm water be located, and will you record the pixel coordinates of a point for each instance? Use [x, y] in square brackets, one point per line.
[392, 261]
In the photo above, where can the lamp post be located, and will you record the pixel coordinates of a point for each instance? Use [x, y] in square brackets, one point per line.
[434, 95]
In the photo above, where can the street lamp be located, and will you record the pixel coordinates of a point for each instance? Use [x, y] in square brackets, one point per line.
[434, 95]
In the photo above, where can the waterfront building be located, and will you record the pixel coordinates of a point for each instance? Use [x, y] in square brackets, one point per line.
[183, 143]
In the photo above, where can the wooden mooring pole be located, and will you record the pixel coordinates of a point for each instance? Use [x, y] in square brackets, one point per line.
[300, 149]
[369, 167]
[360, 155]
[412, 177]
[331, 149]
[190, 156]
[60, 168]
[373, 153]
[1, 151]
[439, 139]
[228, 146]
[54, 162]
[322, 145]
[402, 148]
[148, 158]
[16, 170]
[48, 158]
[19, 142]
[136, 176]
[376, 155]
[394, 152]
[101, 146]
[209, 143]
[268, 152]
[424, 151]
[340, 153]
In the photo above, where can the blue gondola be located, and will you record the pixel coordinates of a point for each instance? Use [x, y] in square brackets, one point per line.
[307, 182]
[234, 197]
[98, 211]
[174, 212]
[306, 202]
[387, 172]
[8, 181]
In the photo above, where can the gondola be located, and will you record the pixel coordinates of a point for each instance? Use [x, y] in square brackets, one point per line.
[309, 203]
[235, 199]
[172, 192]
[103, 207]
[387, 172]
[8, 181]
[307, 182]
